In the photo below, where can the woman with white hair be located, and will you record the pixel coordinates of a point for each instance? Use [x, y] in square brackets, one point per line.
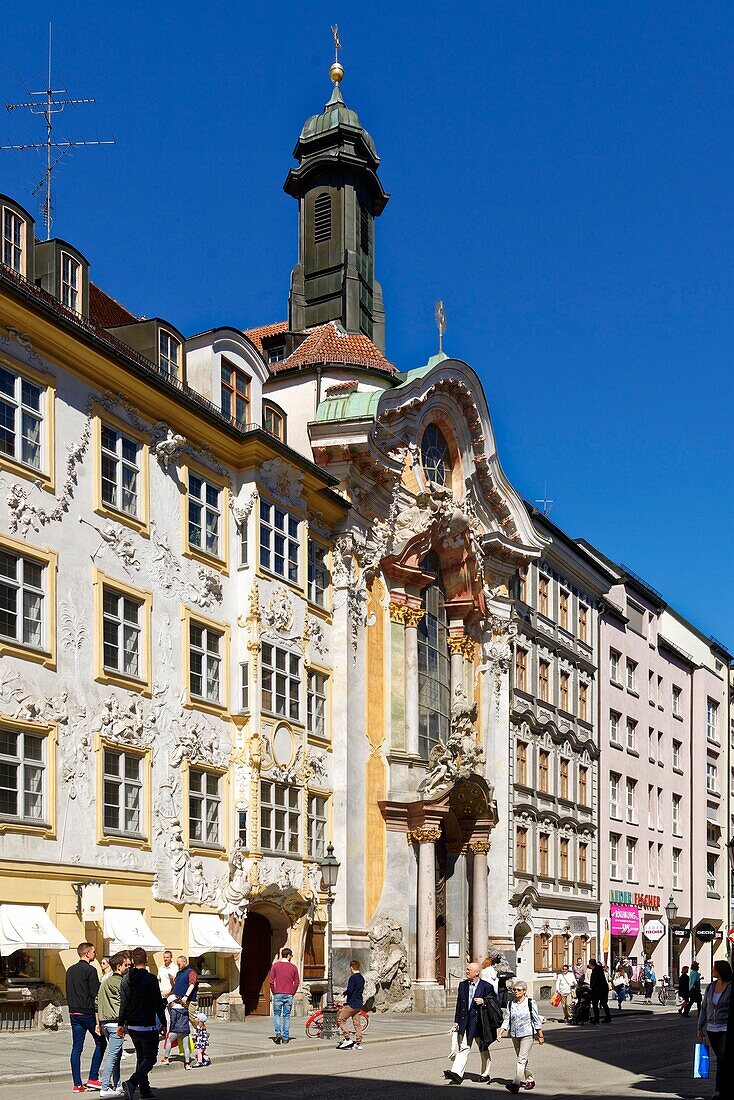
[522, 1022]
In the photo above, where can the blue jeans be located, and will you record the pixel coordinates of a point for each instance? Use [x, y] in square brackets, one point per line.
[80, 1025]
[282, 1004]
[111, 1067]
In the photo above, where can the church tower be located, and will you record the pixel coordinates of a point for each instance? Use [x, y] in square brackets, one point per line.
[339, 196]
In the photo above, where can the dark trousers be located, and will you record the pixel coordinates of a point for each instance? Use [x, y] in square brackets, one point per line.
[146, 1048]
[692, 1000]
[80, 1027]
[717, 1040]
[603, 1000]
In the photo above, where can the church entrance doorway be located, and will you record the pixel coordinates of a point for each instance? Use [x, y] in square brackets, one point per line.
[257, 956]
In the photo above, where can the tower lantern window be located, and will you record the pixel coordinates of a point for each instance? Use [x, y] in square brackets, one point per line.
[364, 229]
[322, 218]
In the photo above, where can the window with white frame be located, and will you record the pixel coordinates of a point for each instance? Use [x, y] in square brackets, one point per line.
[281, 682]
[676, 755]
[169, 353]
[651, 689]
[614, 660]
[632, 735]
[614, 856]
[676, 701]
[712, 778]
[22, 599]
[22, 776]
[712, 720]
[677, 852]
[614, 807]
[205, 513]
[123, 793]
[631, 801]
[651, 743]
[659, 810]
[13, 232]
[279, 546]
[121, 632]
[614, 727]
[120, 468]
[70, 282]
[205, 807]
[631, 675]
[650, 806]
[318, 574]
[21, 418]
[244, 686]
[205, 662]
[316, 826]
[280, 818]
[316, 704]
[631, 859]
[712, 862]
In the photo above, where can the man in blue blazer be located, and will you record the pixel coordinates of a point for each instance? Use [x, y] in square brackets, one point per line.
[473, 991]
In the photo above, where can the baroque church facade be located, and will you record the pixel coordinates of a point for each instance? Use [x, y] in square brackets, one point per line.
[256, 596]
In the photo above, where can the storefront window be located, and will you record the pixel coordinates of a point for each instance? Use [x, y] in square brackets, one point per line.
[23, 965]
[205, 965]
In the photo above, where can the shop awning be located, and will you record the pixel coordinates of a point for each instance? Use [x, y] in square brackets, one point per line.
[29, 927]
[208, 933]
[127, 928]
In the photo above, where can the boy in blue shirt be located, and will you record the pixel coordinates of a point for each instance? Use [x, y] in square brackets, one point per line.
[352, 1009]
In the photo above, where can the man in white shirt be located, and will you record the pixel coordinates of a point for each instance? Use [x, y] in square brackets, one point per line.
[167, 974]
[565, 985]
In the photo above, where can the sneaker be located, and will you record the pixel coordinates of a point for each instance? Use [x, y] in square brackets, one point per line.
[357, 1046]
[284, 1041]
[512, 1087]
[187, 1065]
[196, 1065]
[276, 1039]
[125, 1055]
[453, 1077]
[127, 1092]
[165, 1061]
[93, 1086]
[206, 1061]
[529, 1085]
[107, 1094]
[345, 1044]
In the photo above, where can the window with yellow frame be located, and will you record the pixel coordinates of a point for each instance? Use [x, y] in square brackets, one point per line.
[27, 602]
[121, 471]
[205, 517]
[124, 793]
[205, 644]
[28, 767]
[27, 428]
[122, 634]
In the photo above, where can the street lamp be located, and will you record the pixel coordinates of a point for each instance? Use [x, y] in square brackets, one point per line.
[671, 912]
[329, 875]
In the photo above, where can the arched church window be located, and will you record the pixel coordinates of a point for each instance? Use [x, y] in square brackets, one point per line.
[435, 455]
[434, 666]
[322, 218]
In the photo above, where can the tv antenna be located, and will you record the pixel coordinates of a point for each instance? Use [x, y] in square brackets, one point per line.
[547, 504]
[46, 104]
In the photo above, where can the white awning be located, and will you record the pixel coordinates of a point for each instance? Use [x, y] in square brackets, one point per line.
[127, 928]
[208, 933]
[29, 927]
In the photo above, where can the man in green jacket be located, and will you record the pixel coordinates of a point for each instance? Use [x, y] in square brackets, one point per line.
[108, 1009]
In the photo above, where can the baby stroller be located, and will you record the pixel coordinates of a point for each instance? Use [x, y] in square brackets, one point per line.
[582, 1007]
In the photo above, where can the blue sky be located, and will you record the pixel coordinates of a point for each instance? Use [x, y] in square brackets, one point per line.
[561, 175]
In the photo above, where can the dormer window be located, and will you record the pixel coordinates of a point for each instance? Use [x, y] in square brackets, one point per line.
[274, 421]
[276, 354]
[13, 227]
[322, 218]
[70, 282]
[169, 353]
[435, 456]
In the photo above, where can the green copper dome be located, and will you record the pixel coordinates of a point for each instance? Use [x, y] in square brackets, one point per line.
[335, 114]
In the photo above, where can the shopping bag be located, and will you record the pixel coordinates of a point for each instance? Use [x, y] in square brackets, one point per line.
[454, 1045]
[701, 1061]
[556, 1000]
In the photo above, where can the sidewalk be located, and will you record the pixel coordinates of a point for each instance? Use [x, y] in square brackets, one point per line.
[44, 1055]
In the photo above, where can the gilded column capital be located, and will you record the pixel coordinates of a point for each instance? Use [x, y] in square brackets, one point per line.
[424, 835]
[462, 644]
[404, 613]
[413, 616]
[479, 846]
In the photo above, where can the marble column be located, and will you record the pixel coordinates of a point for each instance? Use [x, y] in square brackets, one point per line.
[413, 616]
[426, 839]
[480, 899]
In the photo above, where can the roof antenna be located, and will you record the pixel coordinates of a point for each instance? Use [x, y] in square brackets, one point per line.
[47, 105]
[440, 315]
[546, 503]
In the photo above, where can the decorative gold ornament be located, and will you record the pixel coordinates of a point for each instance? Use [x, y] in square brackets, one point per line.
[481, 846]
[424, 836]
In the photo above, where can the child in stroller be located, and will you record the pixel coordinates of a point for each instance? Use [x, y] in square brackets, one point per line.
[582, 1007]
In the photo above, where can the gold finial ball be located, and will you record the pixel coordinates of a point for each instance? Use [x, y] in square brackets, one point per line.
[336, 72]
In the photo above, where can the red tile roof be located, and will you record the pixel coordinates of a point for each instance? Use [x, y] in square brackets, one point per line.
[329, 343]
[257, 335]
[105, 311]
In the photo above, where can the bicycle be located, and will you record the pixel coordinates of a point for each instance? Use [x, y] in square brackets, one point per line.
[665, 991]
[315, 1023]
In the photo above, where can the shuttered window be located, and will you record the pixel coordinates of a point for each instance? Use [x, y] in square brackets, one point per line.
[322, 218]
[559, 952]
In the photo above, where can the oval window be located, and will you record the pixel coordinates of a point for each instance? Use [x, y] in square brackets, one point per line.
[435, 456]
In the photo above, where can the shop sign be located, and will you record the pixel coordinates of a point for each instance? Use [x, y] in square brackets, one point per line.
[654, 930]
[680, 934]
[642, 901]
[706, 932]
[730, 935]
[625, 920]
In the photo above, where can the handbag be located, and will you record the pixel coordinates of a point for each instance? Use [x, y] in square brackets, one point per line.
[556, 999]
[701, 1061]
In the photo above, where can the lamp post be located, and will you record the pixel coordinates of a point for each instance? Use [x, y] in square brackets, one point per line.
[671, 911]
[329, 875]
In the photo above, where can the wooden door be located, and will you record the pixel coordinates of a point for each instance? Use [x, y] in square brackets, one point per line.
[314, 953]
[255, 965]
